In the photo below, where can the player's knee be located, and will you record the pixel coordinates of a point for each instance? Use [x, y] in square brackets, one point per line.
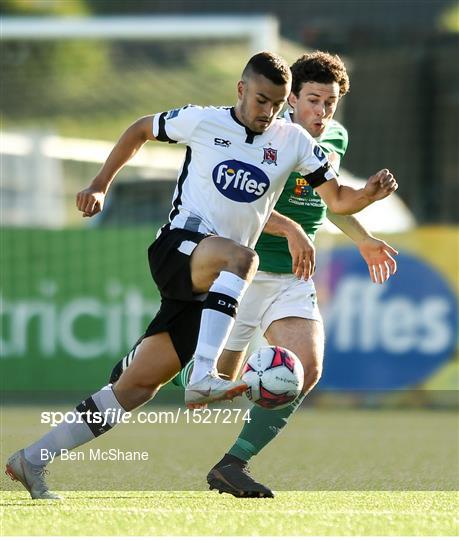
[135, 389]
[245, 261]
[134, 395]
[312, 376]
[146, 388]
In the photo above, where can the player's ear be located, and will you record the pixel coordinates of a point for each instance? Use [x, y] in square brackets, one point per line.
[240, 89]
[292, 100]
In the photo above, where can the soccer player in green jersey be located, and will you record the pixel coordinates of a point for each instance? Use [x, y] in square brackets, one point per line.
[282, 298]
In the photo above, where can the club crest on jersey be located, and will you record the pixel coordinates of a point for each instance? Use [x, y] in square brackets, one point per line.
[302, 187]
[269, 156]
[239, 181]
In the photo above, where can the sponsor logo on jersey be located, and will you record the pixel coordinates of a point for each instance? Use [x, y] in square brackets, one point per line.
[172, 114]
[221, 142]
[239, 181]
[269, 156]
[319, 153]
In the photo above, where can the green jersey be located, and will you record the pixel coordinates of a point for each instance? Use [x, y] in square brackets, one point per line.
[301, 203]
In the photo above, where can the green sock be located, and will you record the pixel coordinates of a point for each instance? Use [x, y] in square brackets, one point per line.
[263, 427]
[183, 376]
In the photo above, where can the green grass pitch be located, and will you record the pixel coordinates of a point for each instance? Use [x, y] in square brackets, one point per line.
[346, 472]
[291, 513]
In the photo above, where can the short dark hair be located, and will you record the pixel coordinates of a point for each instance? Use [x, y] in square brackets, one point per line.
[270, 65]
[321, 67]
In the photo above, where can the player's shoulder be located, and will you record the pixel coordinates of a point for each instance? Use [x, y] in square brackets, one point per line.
[203, 112]
[183, 110]
[198, 109]
[197, 114]
[335, 138]
[336, 130]
[291, 129]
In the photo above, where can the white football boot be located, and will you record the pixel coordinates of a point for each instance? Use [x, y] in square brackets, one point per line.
[212, 388]
[32, 477]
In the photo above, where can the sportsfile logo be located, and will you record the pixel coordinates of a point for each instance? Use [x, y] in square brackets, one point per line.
[239, 181]
[112, 416]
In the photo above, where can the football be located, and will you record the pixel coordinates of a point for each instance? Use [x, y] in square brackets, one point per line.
[274, 377]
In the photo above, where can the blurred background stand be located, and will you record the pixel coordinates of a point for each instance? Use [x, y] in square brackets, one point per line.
[76, 293]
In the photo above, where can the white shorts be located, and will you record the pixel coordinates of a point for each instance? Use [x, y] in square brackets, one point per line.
[269, 298]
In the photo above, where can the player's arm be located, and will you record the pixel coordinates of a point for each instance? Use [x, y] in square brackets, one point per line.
[300, 245]
[378, 255]
[346, 200]
[90, 201]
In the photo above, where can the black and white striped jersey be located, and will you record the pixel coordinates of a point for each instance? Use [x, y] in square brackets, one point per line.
[232, 177]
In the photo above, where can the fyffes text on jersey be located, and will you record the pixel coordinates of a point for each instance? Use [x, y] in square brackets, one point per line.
[239, 181]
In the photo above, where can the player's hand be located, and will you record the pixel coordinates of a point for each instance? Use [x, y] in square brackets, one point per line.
[90, 201]
[303, 253]
[380, 258]
[380, 185]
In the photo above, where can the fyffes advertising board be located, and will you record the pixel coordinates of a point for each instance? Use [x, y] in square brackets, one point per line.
[74, 302]
[389, 336]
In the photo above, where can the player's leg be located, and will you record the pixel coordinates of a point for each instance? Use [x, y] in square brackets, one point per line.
[166, 343]
[228, 366]
[156, 361]
[233, 476]
[230, 363]
[186, 265]
[252, 307]
[293, 321]
[230, 475]
[224, 269]
[123, 364]
[303, 335]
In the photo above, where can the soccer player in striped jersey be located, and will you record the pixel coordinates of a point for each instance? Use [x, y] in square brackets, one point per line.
[282, 299]
[236, 165]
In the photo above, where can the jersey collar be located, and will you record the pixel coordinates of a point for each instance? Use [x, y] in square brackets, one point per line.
[250, 134]
[288, 116]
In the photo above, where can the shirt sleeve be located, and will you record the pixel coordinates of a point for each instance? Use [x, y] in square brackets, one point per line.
[313, 164]
[335, 142]
[177, 125]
